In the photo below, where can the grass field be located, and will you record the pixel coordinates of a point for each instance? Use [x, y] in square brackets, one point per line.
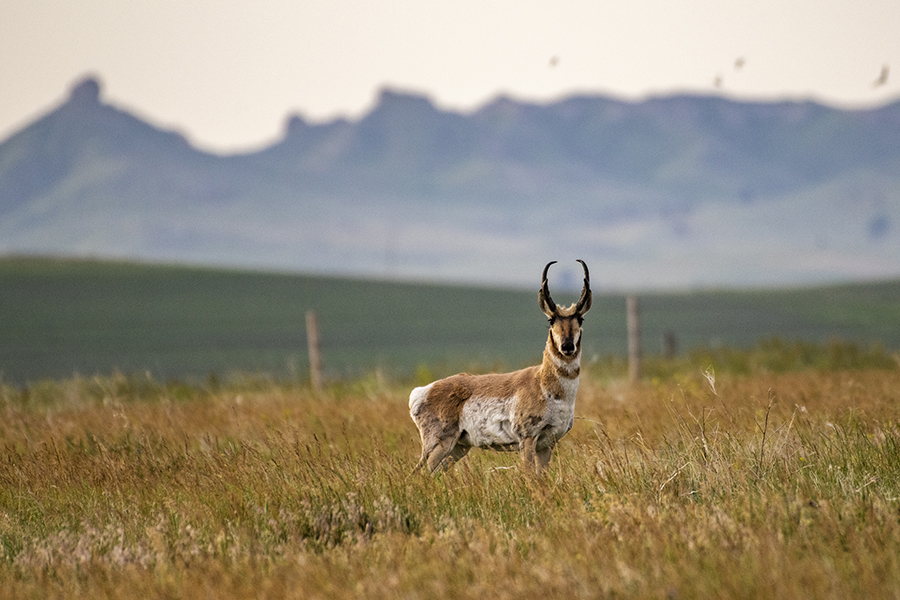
[700, 483]
[64, 317]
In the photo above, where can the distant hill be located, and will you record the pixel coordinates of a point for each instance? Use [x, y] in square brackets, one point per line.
[669, 192]
[65, 316]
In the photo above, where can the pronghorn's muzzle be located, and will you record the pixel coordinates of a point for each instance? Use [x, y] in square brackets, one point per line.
[568, 346]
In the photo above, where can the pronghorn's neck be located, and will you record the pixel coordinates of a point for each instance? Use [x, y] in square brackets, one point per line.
[558, 365]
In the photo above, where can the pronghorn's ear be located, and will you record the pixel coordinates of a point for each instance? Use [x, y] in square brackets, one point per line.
[584, 302]
[544, 300]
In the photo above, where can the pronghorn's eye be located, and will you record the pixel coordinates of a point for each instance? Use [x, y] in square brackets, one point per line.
[551, 320]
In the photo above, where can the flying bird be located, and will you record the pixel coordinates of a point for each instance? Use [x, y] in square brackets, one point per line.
[883, 77]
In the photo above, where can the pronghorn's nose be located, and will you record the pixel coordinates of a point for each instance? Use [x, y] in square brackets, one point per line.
[568, 346]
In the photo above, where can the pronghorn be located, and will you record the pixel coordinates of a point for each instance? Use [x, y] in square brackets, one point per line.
[527, 410]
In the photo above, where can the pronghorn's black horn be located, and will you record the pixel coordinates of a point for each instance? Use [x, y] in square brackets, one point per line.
[547, 304]
[544, 274]
[584, 302]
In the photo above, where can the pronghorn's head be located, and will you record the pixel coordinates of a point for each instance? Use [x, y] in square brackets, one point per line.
[565, 323]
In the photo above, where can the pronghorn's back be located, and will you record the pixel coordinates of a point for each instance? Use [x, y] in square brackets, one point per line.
[527, 410]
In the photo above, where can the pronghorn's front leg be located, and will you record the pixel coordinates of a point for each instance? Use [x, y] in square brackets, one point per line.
[543, 457]
[534, 460]
[529, 456]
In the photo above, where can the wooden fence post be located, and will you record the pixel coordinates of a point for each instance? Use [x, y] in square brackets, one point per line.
[669, 345]
[633, 313]
[312, 343]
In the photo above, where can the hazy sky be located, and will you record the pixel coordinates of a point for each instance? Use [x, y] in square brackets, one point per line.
[227, 73]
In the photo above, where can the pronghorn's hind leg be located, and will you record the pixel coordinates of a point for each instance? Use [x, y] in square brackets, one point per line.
[443, 453]
[455, 455]
[438, 423]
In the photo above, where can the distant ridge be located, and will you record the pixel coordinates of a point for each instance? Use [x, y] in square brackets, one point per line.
[670, 192]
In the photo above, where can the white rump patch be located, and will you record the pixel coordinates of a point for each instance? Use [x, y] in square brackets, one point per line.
[417, 397]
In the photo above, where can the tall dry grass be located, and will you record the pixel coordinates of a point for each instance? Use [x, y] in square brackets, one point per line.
[699, 484]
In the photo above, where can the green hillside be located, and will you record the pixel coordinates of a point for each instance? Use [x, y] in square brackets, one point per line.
[60, 317]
